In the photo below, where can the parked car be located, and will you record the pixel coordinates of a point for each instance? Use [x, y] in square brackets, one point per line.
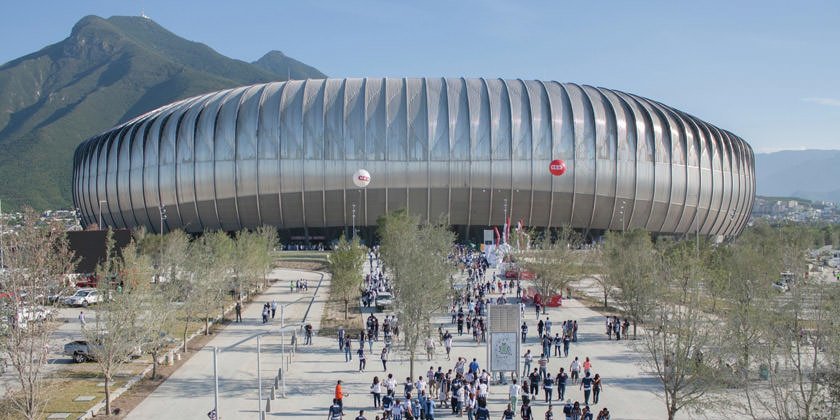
[84, 297]
[79, 350]
[83, 351]
[384, 300]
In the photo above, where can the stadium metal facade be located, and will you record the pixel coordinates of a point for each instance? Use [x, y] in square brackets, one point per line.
[466, 150]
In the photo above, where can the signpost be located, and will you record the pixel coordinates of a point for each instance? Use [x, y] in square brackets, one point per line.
[502, 339]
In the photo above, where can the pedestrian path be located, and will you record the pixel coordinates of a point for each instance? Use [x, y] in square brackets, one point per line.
[628, 391]
[188, 393]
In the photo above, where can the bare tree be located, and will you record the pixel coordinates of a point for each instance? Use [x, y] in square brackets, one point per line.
[677, 332]
[166, 294]
[555, 260]
[629, 260]
[36, 257]
[417, 259]
[345, 265]
[122, 318]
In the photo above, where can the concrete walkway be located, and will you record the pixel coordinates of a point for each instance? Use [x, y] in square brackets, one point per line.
[188, 393]
[628, 391]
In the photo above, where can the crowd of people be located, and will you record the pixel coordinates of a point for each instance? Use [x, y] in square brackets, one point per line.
[463, 388]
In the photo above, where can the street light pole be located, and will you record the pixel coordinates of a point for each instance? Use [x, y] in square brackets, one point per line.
[215, 381]
[100, 213]
[353, 233]
[2, 224]
[259, 380]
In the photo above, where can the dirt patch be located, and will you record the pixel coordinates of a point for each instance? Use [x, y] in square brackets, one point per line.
[302, 265]
[333, 317]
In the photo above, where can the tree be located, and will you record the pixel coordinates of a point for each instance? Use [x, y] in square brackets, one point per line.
[37, 258]
[629, 260]
[791, 338]
[172, 254]
[555, 260]
[345, 265]
[417, 259]
[203, 290]
[122, 319]
[677, 332]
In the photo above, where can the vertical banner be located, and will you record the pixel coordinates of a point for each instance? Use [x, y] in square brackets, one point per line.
[502, 337]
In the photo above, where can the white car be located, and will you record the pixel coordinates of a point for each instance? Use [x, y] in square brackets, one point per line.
[84, 297]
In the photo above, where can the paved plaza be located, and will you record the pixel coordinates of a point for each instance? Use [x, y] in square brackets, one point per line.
[628, 392]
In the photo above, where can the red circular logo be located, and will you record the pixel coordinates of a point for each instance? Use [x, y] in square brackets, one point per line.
[557, 167]
[363, 178]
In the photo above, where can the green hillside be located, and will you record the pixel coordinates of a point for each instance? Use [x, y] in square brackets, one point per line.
[106, 72]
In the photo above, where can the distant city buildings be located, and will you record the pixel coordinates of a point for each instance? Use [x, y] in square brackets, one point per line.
[798, 211]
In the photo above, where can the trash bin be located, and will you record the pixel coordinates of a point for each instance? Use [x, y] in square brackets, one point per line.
[763, 372]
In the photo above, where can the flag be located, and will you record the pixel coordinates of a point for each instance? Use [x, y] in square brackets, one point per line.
[497, 235]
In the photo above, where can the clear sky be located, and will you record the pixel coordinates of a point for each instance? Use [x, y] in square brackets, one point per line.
[768, 71]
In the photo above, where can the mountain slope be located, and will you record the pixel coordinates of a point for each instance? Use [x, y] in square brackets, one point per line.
[810, 174]
[278, 63]
[107, 71]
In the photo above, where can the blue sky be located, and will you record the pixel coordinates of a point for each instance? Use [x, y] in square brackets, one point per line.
[768, 71]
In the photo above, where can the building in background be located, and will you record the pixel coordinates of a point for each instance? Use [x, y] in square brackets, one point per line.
[466, 151]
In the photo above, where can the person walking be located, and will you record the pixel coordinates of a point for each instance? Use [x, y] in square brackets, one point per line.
[543, 363]
[238, 309]
[335, 411]
[548, 387]
[604, 414]
[348, 349]
[508, 413]
[362, 358]
[562, 377]
[528, 358]
[587, 366]
[339, 396]
[376, 391]
[574, 368]
[265, 312]
[596, 388]
[513, 395]
[586, 386]
[525, 412]
[524, 329]
[447, 343]
[534, 378]
[566, 343]
[384, 358]
[273, 308]
[549, 414]
[341, 335]
[82, 319]
[308, 330]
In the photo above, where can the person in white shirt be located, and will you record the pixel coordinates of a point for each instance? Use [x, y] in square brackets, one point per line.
[513, 394]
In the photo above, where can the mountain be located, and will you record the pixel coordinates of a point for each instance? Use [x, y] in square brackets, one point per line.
[106, 72]
[809, 174]
[278, 63]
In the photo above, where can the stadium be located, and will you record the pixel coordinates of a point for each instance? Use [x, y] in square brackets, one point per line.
[468, 152]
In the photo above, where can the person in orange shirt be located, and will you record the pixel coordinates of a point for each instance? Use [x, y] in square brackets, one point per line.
[339, 395]
[587, 366]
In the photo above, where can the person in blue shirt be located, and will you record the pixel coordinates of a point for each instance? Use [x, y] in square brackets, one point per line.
[474, 366]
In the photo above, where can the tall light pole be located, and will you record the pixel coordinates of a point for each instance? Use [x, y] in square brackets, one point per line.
[621, 210]
[505, 221]
[215, 381]
[2, 229]
[353, 232]
[162, 212]
[100, 212]
[259, 380]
